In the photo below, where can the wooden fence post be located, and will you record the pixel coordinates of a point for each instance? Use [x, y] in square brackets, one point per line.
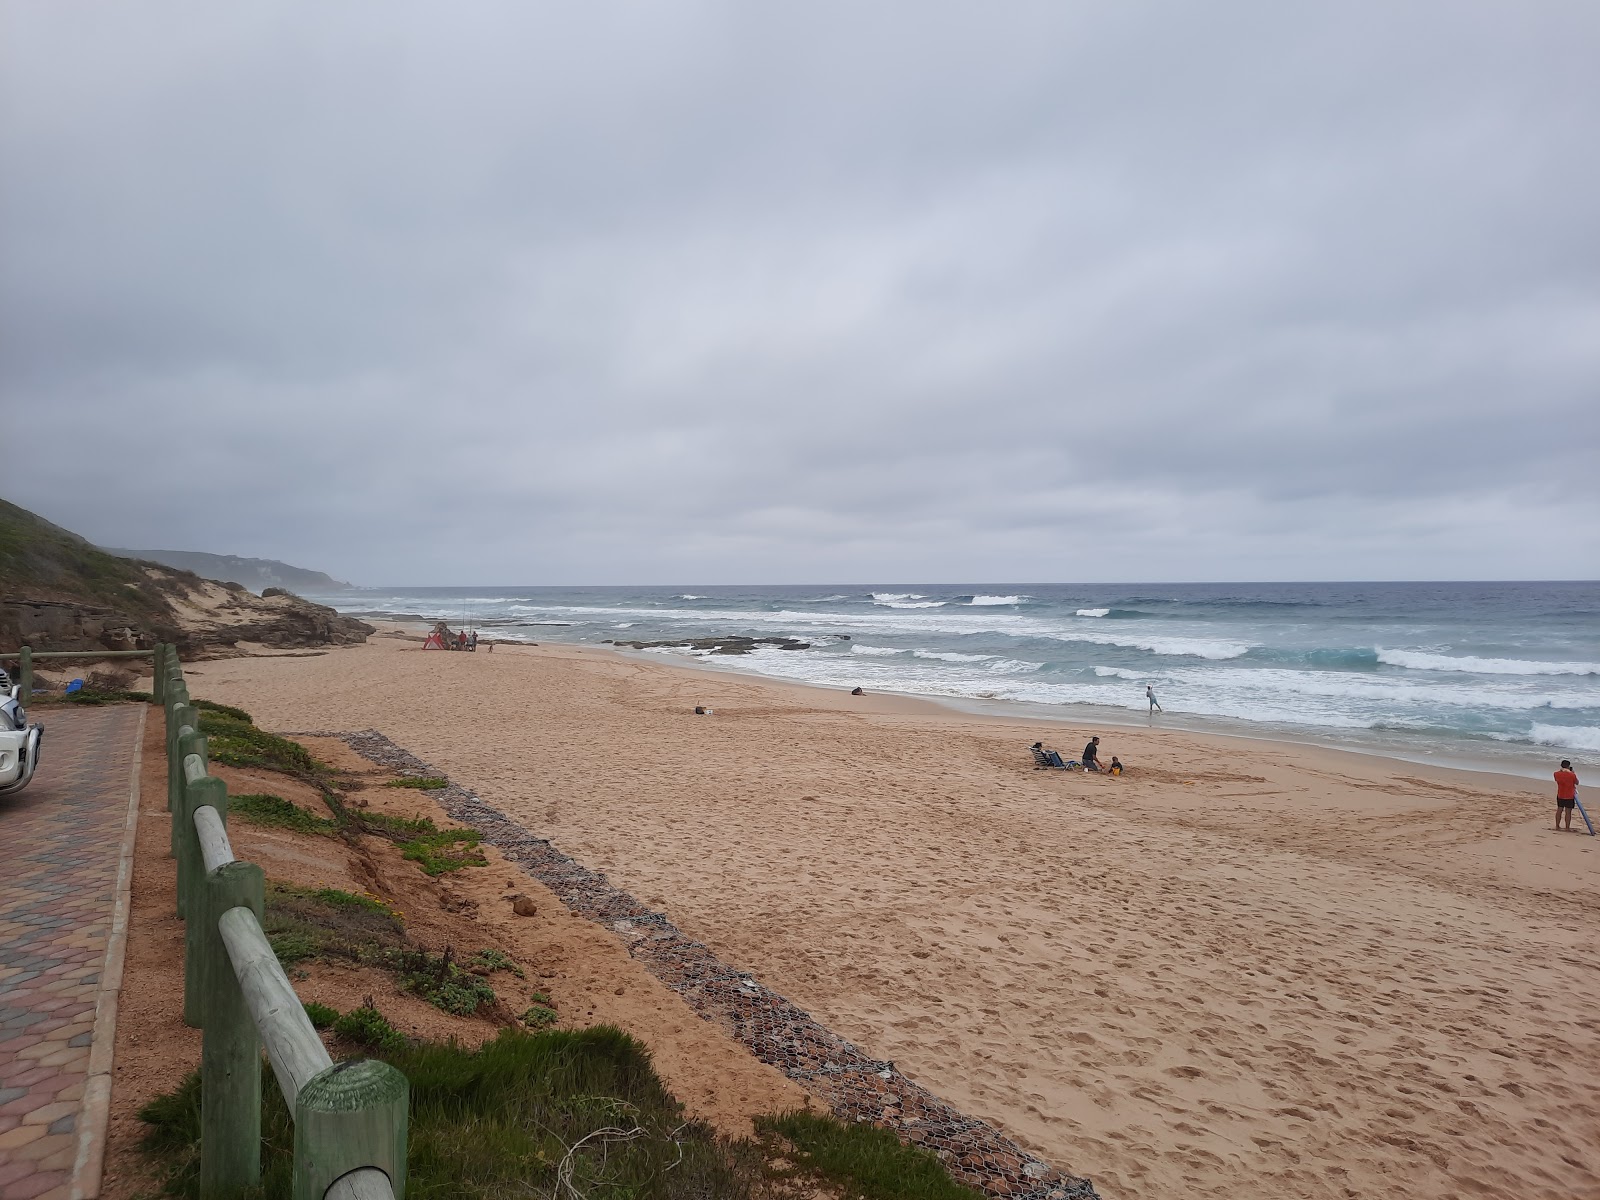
[25, 672]
[230, 1054]
[185, 741]
[207, 790]
[350, 1116]
[158, 677]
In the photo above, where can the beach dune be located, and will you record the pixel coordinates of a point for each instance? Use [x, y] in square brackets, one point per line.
[1246, 969]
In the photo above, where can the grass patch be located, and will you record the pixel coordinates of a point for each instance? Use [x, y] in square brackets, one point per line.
[867, 1160]
[426, 782]
[397, 829]
[224, 710]
[261, 809]
[306, 923]
[321, 1016]
[499, 1121]
[445, 850]
[370, 1029]
[89, 697]
[236, 743]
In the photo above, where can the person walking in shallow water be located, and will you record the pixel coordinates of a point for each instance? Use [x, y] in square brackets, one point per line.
[1566, 795]
[1150, 695]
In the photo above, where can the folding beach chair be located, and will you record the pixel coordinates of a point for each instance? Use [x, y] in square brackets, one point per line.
[1047, 760]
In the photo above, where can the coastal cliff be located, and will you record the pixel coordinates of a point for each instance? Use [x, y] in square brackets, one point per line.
[59, 592]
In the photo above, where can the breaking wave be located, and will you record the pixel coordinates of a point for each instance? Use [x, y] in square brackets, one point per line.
[1418, 660]
[980, 600]
[904, 600]
[1094, 612]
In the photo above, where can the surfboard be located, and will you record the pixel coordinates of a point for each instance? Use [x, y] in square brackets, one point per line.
[1583, 814]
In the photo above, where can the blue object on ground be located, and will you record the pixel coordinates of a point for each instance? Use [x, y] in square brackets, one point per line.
[75, 686]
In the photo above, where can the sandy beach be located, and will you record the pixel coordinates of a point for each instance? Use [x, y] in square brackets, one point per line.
[1246, 969]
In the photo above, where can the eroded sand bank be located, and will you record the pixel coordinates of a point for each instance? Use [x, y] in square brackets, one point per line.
[1247, 969]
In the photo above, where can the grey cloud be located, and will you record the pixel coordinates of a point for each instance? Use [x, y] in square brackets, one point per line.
[718, 293]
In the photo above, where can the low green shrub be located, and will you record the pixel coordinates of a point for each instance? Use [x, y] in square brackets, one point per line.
[540, 1016]
[262, 809]
[496, 960]
[426, 782]
[370, 1029]
[445, 850]
[224, 710]
[322, 1016]
[438, 980]
[237, 743]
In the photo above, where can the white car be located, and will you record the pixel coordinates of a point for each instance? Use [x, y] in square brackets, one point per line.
[19, 742]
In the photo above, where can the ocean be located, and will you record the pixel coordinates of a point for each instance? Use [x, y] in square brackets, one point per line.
[1505, 675]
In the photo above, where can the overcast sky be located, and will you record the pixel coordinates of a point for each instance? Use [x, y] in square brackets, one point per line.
[682, 292]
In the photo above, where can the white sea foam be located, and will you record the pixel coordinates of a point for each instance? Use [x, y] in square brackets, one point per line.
[1212, 648]
[1117, 673]
[953, 656]
[874, 651]
[1418, 660]
[1575, 738]
[1093, 612]
[904, 600]
[689, 596]
[625, 625]
[982, 600]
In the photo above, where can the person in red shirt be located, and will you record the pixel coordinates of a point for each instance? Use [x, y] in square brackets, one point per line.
[1566, 794]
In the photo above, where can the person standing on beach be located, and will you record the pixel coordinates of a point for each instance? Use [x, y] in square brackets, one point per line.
[1150, 695]
[1566, 794]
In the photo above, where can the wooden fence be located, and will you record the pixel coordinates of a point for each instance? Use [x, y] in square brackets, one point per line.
[349, 1118]
[27, 654]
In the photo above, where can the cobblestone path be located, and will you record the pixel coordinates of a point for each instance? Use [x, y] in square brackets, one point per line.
[59, 844]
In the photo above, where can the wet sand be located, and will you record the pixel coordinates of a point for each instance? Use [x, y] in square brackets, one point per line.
[1246, 969]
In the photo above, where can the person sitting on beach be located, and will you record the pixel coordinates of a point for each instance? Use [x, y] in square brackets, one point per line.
[1566, 794]
[1116, 765]
[1091, 755]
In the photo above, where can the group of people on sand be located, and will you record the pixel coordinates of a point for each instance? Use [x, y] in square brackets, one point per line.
[1089, 762]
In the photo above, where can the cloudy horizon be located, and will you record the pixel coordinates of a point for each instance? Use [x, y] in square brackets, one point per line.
[706, 293]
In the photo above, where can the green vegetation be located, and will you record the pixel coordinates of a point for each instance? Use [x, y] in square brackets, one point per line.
[370, 1029]
[397, 829]
[236, 743]
[445, 850]
[321, 1016]
[496, 960]
[439, 981]
[224, 710]
[503, 1121]
[91, 697]
[43, 561]
[427, 782]
[866, 1160]
[542, 1014]
[261, 809]
[306, 923]
[302, 924]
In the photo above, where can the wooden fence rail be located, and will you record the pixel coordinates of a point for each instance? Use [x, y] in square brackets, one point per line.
[350, 1118]
[27, 654]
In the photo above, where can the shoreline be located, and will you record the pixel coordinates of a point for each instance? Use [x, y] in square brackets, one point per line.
[1027, 712]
